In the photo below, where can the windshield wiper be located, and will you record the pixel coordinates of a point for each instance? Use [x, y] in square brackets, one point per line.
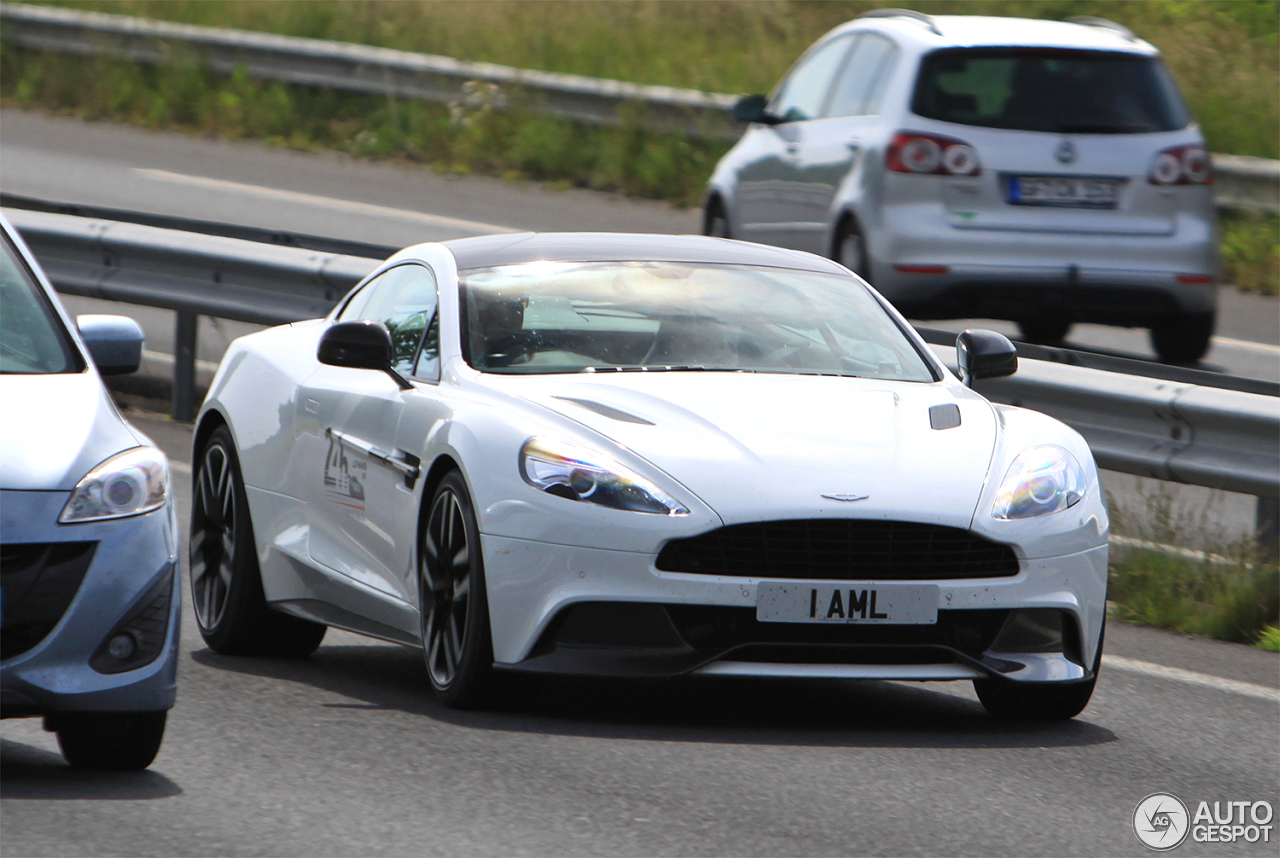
[679, 368]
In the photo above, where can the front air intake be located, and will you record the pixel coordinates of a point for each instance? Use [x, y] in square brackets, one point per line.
[848, 549]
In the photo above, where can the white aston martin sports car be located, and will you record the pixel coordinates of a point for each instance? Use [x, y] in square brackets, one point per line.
[644, 456]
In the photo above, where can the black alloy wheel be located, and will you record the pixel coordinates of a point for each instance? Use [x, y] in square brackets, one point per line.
[456, 640]
[226, 585]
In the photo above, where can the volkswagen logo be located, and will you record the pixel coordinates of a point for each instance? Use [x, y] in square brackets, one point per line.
[1066, 152]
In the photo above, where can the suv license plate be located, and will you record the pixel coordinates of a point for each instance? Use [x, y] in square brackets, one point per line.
[1064, 191]
[845, 602]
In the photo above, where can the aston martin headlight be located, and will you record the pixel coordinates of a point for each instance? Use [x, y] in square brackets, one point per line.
[1040, 481]
[129, 483]
[581, 474]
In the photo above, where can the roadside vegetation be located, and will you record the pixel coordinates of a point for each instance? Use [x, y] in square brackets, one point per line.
[1223, 588]
[1225, 56]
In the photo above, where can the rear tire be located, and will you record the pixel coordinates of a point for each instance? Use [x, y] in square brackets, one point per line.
[226, 584]
[454, 607]
[1183, 338]
[851, 249]
[714, 221]
[1045, 330]
[119, 741]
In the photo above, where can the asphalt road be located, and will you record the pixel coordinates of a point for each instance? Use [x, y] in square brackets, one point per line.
[346, 753]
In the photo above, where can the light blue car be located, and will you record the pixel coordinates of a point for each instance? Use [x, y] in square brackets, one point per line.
[89, 604]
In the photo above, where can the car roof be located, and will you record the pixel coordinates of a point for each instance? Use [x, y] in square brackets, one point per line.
[490, 250]
[990, 31]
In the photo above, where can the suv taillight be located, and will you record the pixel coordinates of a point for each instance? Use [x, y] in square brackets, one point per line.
[930, 154]
[1181, 165]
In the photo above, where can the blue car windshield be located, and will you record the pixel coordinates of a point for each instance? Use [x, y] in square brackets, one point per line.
[32, 340]
[566, 317]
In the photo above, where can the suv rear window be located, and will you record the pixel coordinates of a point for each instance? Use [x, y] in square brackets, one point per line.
[1038, 89]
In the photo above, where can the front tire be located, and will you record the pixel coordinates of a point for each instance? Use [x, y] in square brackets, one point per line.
[454, 607]
[1183, 338]
[226, 584]
[116, 741]
[1039, 701]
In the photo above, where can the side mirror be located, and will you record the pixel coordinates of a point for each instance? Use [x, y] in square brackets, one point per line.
[985, 354]
[359, 345]
[114, 342]
[751, 108]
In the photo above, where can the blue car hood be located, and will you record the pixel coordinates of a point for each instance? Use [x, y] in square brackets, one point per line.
[56, 428]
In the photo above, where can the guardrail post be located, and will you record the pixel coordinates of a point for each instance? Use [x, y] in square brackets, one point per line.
[1269, 524]
[184, 367]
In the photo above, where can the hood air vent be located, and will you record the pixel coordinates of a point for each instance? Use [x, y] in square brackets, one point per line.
[606, 411]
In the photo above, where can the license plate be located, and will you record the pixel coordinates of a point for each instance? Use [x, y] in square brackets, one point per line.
[845, 602]
[1064, 191]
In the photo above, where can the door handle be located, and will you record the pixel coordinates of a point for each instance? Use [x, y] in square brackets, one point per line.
[853, 145]
[792, 149]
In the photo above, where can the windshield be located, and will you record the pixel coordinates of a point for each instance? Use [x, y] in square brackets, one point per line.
[1039, 89]
[546, 317]
[31, 337]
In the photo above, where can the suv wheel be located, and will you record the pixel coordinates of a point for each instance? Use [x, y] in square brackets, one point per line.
[1183, 338]
[1045, 330]
[851, 249]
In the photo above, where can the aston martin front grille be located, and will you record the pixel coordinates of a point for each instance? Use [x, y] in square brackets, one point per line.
[849, 549]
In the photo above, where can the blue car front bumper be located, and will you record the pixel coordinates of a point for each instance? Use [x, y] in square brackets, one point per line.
[68, 590]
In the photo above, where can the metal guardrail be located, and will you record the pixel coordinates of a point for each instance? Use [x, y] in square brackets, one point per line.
[1182, 432]
[1242, 183]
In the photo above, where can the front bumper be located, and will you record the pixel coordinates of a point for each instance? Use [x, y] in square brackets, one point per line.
[133, 575]
[567, 609]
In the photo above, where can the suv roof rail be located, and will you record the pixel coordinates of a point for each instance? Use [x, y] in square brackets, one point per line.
[927, 20]
[1102, 23]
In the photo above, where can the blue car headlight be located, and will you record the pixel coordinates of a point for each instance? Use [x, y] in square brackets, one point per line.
[1040, 481]
[129, 483]
[580, 474]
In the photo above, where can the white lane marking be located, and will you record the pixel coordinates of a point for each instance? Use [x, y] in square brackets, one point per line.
[1246, 344]
[180, 467]
[168, 360]
[470, 226]
[1191, 677]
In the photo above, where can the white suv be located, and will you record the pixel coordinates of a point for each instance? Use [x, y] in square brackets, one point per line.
[1040, 171]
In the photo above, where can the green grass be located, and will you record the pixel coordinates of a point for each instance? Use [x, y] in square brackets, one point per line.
[1251, 252]
[1207, 585]
[1224, 54]
[1269, 639]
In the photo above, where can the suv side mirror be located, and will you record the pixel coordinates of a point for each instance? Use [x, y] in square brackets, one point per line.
[751, 108]
[114, 342]
[985, 354]
[359, 345]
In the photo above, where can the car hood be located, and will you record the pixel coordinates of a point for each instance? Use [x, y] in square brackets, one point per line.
[760, 446]
[55, 429]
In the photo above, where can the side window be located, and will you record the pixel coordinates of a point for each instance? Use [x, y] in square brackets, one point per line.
[403, 299]
[803, 93]
[863, 79]
[428, 366]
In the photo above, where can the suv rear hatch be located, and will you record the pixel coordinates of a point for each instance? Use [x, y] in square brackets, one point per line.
[1065, 138]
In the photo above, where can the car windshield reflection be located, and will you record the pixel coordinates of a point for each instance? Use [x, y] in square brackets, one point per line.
[547, 317]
